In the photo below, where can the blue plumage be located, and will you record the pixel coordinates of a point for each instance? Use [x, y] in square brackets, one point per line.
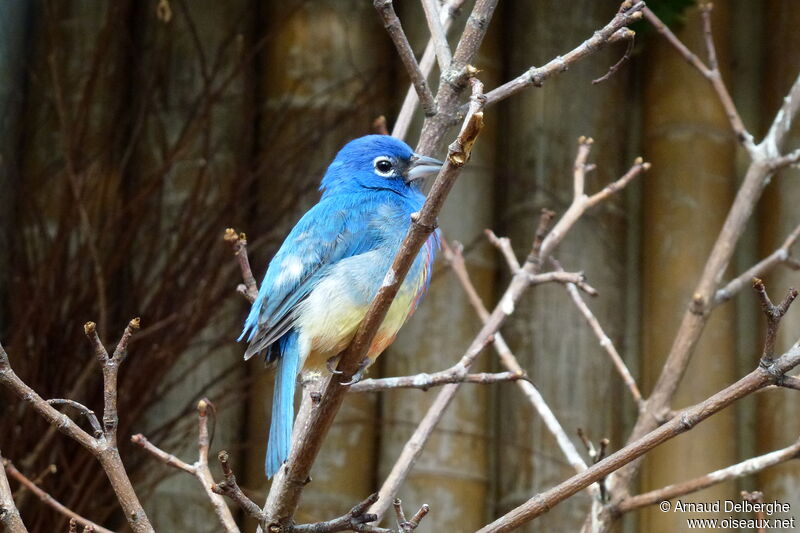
[329, 268]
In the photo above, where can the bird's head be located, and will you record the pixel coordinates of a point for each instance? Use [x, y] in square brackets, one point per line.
[377, 162]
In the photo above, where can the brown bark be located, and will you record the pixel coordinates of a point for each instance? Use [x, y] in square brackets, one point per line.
[688, 139]
[542, 128]
[778, 418]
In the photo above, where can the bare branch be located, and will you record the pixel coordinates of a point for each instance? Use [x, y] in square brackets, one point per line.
[579, 168]
[403, 525]
[535, 77]
[40, 477]
[10, 520]
[102, 448]
[699, 309]
[712, 74]
[49, 500]
[567, 278]
[438, 35]
[395, 30]
[231, 489]
[403, 121]
[782, 123]
[425, 381]
[745, 468]
[774, 314]
[200, 468]
[789, 159]
[682, 422]
[509, 360]
[110, 368]
[355, 520]
[781, 255]
[757, 497]
[789, 382]
[520, 282]
[238, 242]
[161, 455]
[607, 345]
[630, 37]
[581, 202]
[504, 245]
[85, 411]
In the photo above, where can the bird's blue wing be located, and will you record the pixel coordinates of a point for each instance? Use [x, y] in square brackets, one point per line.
[326, 234]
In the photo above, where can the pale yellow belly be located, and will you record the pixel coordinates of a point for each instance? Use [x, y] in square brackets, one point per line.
[327, 328]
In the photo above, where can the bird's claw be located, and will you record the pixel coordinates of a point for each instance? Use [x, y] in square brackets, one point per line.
[329, 364]
[359, 373]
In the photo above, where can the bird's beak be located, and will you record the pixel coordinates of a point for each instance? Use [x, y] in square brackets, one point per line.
[422, 166]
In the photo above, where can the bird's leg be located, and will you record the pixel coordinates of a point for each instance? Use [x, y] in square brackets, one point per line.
[359, 373]
[330, 365]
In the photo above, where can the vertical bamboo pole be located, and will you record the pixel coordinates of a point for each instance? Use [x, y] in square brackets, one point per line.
[686, 196]
[324, 78]
[546, 331]
[777, 414]
[453, 473]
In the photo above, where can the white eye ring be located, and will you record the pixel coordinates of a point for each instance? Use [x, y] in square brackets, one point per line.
[384, 166]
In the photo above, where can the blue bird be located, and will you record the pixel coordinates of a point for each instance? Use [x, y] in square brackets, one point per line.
[324, 276]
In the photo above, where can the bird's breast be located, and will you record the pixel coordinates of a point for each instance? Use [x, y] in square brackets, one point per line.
[329, 317]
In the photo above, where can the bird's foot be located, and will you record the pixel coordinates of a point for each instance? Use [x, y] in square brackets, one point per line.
[330, 365]
[359, 373]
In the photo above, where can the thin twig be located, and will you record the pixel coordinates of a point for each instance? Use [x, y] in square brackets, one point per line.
[607, 345]
[231, 489]
[509, 360]
[403, 121]
[581, 202]
[757, 497]
[395, 30]
[787, 160]
[781, 255]
[161, 455]
[82, 409]
[200, 469]
[578, 279]
[438, 35]
[616, 66]
[745, 468]
[403, 525]
[49, 500]
[425, 381]
[10, 520]
[238, 242]
[774, 314]
[504, 245]
[357, 519]
[21, 492]
[789, 382]
[535, 77]
[712, 74]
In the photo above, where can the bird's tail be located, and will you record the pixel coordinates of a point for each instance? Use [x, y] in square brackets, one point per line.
[280, 428]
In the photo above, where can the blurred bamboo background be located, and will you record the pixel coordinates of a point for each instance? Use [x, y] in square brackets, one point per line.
[133, 132]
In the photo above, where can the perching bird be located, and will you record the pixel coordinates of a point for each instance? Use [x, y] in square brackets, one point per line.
[318, 286]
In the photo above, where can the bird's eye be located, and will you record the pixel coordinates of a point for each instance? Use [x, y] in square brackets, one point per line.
[383, 166]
